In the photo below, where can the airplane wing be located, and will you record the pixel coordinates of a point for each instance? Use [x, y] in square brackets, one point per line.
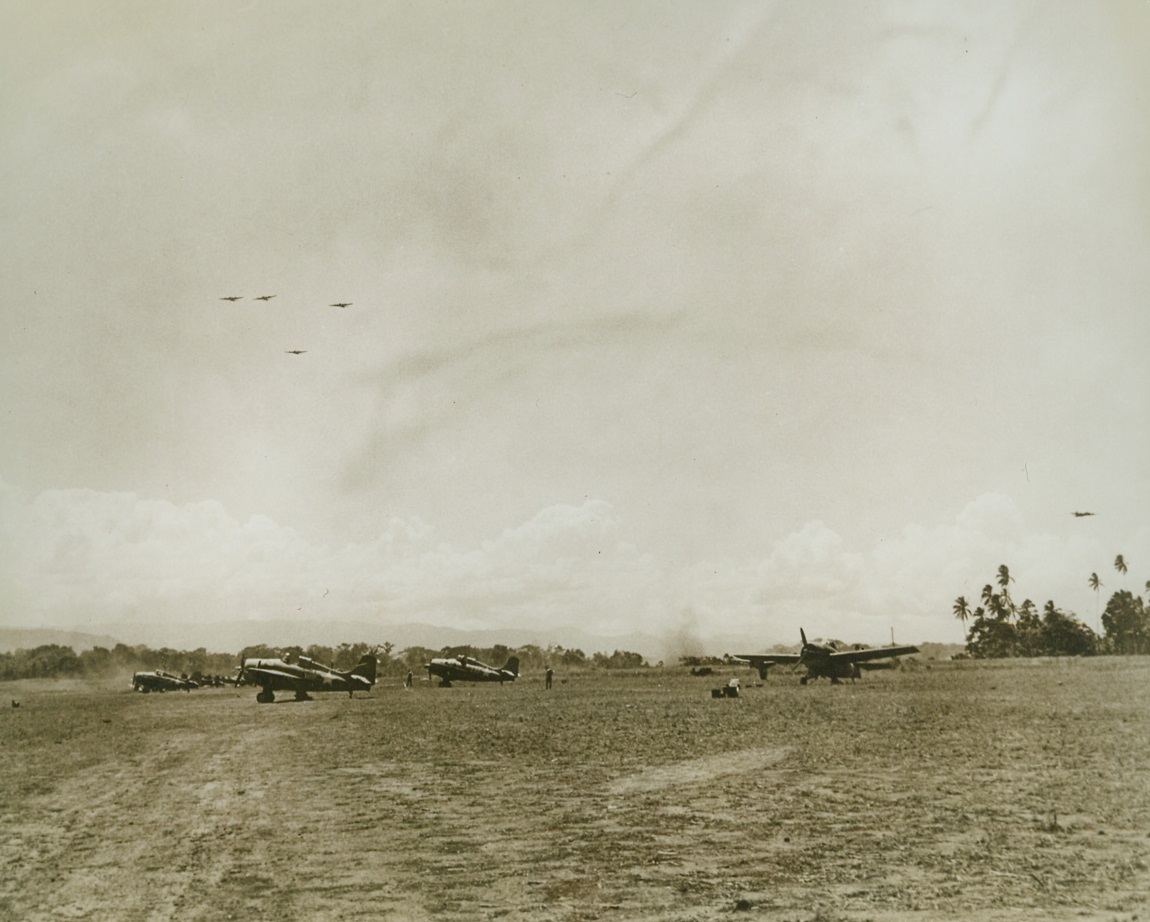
[859, 656]
[780, 659]
[258, 672]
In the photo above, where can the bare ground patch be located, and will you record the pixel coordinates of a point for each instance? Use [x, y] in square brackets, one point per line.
[998, 794]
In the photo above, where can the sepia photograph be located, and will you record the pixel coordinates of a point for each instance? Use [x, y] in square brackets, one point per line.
[570, 460]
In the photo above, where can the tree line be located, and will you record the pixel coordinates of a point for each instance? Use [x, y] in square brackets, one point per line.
[54, 661]
[1000, 627]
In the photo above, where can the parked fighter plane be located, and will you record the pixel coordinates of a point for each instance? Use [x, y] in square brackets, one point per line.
[826, 661]
[460, 668]
[160, 681]
[303, 675]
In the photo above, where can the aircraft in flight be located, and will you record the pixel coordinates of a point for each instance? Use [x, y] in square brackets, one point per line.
[461, 668]
[341, 304]
[160, 681]
[295, 351]
[264, 297]
[1079, 515]
[232, 298]
[826, 661]
[301, 675]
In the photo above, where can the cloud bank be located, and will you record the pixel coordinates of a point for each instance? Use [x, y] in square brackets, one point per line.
[76, 557]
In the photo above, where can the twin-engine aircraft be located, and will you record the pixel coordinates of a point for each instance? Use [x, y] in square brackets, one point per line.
[302, 675]
[460, 668]
[825, 661]
[160, 681]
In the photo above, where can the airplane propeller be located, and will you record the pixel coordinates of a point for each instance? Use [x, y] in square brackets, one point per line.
[803, 651]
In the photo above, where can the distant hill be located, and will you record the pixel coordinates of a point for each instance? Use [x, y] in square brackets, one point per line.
[28, 638]
[233, 636]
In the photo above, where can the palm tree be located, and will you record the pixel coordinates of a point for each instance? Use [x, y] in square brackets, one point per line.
[1096, 584]
[962, 612]
[1029, 629]
[996, 603]
[1004, 581]
[1120, 566]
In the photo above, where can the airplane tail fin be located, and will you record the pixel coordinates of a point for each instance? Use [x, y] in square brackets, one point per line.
[366, 668]
[512, 666]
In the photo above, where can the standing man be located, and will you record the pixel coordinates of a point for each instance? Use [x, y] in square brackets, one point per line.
[410, 680]
[548, 676]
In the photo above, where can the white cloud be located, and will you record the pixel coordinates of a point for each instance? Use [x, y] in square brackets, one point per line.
[908, 582]
[80, 556]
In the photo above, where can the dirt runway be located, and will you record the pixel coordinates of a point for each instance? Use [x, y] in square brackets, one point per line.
[1000, 791]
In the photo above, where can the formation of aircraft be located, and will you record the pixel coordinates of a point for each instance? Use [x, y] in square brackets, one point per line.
[266, 298]
[160, 681]
[302, 675]
[825, 661]
[460, 668]
[269, 297]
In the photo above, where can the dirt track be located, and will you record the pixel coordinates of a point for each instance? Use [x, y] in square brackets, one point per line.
[1003, 792]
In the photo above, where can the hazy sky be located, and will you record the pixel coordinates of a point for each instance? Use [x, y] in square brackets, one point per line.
[665, 316]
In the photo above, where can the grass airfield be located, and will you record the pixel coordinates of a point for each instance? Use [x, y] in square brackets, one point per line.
[997, 791]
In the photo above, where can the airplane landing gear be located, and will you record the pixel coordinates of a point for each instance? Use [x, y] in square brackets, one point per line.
[267, 696]
[301, 695]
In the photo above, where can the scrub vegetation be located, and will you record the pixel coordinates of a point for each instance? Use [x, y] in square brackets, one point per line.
[51, 661]
[1000, 627]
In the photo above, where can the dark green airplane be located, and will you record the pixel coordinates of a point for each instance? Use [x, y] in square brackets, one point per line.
[825, 661]
[302, 675]
[460, 668]
[160, 681]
